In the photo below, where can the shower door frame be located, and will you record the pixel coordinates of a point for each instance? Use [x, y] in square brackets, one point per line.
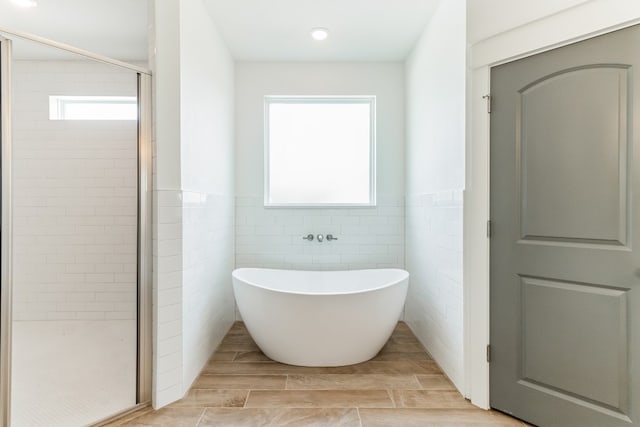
[144, 205]
[5, 231]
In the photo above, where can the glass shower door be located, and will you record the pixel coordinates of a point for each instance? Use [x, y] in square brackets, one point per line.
[75, 219]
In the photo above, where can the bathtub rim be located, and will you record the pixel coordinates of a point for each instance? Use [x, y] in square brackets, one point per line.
[405, 277]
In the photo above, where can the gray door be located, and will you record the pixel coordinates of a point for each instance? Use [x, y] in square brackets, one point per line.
[565, 245]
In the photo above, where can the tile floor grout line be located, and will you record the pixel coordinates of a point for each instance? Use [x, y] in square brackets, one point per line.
[247, 398]
[359, 417]
[201, 417]
[393, 401]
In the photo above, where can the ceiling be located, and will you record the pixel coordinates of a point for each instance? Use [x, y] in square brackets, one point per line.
[359, 30]
[114, 28]
[269, 30]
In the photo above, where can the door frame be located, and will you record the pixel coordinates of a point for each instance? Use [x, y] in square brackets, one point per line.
[586, 20]
[144, 371]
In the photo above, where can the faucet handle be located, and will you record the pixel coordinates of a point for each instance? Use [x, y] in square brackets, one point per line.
[330, 237]
[319, 237]
[308, 237]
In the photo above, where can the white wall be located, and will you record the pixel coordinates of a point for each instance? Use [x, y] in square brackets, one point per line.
[435, 90]
[207, 147]
[167, 200]
[368, 237]
[194, 194]
[537, 33]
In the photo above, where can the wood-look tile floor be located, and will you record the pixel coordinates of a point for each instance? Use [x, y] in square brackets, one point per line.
[401, 386]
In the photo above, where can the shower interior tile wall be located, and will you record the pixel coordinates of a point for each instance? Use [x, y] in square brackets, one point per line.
[367, 237]
[75, 198]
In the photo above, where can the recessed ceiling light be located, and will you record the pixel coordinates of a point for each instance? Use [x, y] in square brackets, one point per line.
[25, 3]
[319, 33]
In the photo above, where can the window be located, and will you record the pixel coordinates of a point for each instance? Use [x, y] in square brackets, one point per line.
[93, 108]
[320, 151]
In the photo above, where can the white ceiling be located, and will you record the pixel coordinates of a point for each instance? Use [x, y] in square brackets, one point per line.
[271, 30]
[114, 28]
[487, 18]
[359, 30]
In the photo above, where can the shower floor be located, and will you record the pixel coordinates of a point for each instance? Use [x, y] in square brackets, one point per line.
[240, 386]
[72, 373]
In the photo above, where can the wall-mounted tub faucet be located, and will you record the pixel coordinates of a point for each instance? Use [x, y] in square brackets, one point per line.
[319, 237]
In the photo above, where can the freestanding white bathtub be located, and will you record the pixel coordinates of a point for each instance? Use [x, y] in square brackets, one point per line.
[320, 318]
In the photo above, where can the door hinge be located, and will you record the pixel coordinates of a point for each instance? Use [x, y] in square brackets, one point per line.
[488, 98]
[488, 353]
[489, 229]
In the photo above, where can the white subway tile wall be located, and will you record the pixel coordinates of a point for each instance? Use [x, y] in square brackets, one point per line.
[434, 258]
[195, 247]
[208, 299]
[75, 198]
[167, 272]
[367, 237]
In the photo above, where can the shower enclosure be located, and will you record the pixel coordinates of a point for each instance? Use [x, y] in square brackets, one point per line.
[75, 296]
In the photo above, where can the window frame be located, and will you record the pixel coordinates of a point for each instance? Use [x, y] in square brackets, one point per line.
[58, 106]
[360, 99]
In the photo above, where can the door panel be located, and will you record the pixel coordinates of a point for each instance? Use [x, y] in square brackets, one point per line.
[565, 263]
[573, 139]
[567, 332]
